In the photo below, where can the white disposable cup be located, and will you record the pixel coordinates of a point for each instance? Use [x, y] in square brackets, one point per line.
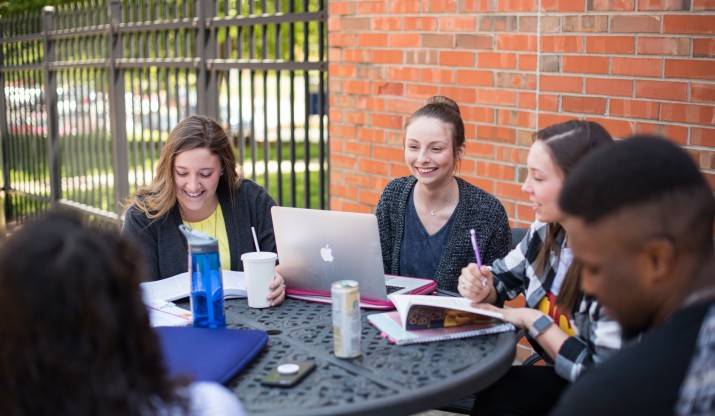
[259, 268]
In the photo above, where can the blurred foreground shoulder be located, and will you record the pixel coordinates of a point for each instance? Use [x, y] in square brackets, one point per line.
[213, 399]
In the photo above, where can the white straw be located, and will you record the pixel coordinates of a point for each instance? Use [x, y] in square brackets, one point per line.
[255, 240]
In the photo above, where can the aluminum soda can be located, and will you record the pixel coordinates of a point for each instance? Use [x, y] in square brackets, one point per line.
[345, 297]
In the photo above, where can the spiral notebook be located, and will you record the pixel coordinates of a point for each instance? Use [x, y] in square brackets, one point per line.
[388, 323]
[435, 318]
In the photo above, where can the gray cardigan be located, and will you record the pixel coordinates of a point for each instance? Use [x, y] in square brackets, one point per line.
[164, 246]
[476, 209]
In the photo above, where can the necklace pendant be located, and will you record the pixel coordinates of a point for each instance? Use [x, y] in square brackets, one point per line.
[432, 213]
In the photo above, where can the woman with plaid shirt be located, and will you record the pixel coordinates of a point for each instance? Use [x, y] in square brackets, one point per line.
[567, 328]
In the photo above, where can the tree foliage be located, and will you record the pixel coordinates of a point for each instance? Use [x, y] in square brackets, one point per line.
[19, 6]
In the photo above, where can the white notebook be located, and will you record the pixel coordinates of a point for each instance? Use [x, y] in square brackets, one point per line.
[388, 323]
[163, 313]
[436, 318]
[158, 296]
[179, 286]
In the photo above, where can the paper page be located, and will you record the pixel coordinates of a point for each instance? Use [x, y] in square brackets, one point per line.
[171, 288]
[179, 286]
[404, 302]
[162, 313]
[234, 284]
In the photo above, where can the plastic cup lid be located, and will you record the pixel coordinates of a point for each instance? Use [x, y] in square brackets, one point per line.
[259, 256]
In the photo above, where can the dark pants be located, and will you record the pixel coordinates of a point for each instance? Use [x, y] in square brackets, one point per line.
[524, 390]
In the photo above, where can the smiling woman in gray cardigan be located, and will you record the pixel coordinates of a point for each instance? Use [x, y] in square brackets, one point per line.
[425, 219]
[476, 209]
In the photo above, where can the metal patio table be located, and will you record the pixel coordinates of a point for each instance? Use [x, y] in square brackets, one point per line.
[386, 380]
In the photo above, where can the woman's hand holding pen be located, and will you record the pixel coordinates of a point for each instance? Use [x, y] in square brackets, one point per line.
[477, 284]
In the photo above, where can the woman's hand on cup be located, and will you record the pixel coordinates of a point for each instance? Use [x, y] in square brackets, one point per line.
[476, 283]
[277, 288]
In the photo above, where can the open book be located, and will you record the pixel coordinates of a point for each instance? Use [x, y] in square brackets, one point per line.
[436, 318]
[158, 296]
[179, 286]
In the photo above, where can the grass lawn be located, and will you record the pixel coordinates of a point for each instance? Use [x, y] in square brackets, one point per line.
[285, 197]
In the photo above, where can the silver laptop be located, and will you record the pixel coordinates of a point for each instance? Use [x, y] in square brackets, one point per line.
[317, 247]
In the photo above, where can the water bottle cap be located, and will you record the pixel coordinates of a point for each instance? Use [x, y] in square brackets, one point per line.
[199, 242]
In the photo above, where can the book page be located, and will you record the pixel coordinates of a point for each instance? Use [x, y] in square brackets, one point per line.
[169, 289]
[162, 313]
[421, 312]
[179, 286]
[234, 284]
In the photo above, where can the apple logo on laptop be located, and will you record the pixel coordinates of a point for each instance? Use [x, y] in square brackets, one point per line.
[326, 253]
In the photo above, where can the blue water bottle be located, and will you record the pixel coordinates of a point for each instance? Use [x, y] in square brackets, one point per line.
[206, 281]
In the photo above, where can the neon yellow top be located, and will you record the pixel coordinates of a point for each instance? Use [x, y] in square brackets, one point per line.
[215, 226]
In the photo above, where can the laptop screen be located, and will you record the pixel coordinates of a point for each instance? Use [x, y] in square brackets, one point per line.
[318, 247]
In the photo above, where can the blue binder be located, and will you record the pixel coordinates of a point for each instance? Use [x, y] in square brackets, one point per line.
[209, 354]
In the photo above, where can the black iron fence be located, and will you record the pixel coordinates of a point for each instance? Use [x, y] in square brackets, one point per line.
[91, 90]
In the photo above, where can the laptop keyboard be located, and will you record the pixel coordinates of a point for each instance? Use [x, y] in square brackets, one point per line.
[393, 289]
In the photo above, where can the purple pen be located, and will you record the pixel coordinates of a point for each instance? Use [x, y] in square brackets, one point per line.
[473, 234]
[476, 247]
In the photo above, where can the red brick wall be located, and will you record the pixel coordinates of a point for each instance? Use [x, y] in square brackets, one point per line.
[513, 66]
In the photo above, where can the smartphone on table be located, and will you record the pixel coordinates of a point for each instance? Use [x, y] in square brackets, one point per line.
[288, 374]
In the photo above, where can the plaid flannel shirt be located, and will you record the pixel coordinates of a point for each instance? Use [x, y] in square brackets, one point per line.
[597, 336]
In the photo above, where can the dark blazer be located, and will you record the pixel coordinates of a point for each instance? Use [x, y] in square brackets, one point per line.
[164, 246]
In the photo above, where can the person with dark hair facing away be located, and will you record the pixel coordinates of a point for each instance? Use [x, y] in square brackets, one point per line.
[568, 329]
[75, 333]
[640, 216]
[197, 184]
[425, 218]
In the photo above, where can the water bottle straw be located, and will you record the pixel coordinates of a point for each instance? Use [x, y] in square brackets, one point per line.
[255, 240]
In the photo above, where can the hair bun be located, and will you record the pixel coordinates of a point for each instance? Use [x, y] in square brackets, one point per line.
[445, 101]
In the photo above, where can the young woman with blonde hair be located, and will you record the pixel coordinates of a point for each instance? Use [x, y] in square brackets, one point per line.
[197, 184]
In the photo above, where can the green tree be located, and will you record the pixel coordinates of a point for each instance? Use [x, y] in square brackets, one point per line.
[19, 6]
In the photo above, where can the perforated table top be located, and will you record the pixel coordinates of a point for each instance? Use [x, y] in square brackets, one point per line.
[386, 380]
